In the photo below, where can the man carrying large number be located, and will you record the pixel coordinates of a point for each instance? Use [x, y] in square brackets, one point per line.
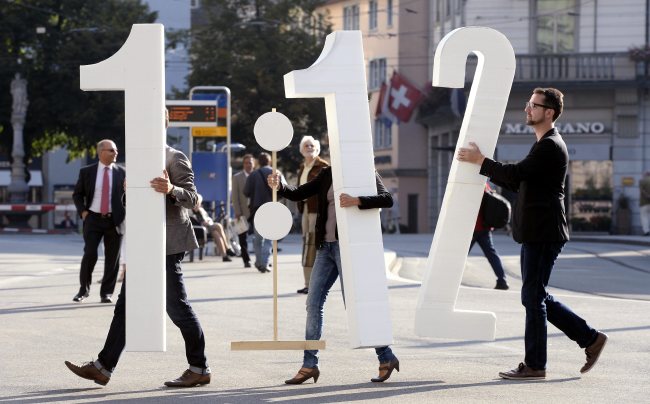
[177, 183]
[539, 224]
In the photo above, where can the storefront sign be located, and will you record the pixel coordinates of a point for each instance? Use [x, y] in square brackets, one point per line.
[568, 128]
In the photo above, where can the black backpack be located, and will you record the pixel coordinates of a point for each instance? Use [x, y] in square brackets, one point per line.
[496, 210]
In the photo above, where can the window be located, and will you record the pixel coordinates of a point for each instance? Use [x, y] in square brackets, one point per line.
[383, 135]
[377, 68]
[389, 13]
[555, 27]
[372, 14]
[351, 17]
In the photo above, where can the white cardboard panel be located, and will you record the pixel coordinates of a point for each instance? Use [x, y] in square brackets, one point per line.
[363, 225]
[339, 76]
[435, 314]
[145, 292]
[138, 69]
[144, 165]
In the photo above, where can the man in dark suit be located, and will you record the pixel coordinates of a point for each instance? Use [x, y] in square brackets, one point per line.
[240, 203]
[177, 183]
[98, 197]
[540, 225]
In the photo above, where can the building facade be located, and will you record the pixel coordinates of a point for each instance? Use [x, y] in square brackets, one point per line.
[596, 52]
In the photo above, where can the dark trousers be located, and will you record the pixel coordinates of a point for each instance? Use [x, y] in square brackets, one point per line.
[243, 243]
[96, 228]
[484, 240]
[537, 260]
[178, 309]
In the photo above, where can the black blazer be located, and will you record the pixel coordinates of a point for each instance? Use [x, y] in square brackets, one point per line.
[84, 191]
[538, 216]
[319, 187]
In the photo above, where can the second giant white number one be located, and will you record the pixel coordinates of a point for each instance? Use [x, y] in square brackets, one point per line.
[138, 70]
[436, 315]
[339, 76]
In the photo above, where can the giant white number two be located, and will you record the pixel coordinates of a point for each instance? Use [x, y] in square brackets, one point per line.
[339, 76]
[435, 314]
[138, 70]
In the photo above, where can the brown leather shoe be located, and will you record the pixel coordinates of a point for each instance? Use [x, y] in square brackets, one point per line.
[593, 352]
[189, 379]
[303, 375]
[385, 370]
[523, 372]
[88, 371]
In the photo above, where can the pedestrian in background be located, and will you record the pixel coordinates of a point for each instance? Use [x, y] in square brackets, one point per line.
[644, 203]
[98, 197]
[540, 225]
[240, 204]
[259, 193]
[483, 236]
[309, 169]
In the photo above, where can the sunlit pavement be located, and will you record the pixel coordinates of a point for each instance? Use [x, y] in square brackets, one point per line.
[606, 283]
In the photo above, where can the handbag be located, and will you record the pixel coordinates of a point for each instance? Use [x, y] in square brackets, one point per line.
[240, 225]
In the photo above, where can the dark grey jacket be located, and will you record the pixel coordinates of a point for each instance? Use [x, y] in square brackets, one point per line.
[180, 234]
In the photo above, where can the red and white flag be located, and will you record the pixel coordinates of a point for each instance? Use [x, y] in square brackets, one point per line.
[399, 99]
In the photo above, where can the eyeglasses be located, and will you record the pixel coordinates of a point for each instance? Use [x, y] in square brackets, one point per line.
[533, 105]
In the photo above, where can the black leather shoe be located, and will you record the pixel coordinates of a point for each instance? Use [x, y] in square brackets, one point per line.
[247, 264]
[502, 285]
[107, 299]
[226, 258]
[88, 371]
[230, 253]
[304, 291]
[79, 298]
[189, 379]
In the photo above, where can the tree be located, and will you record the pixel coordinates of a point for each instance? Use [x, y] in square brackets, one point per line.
[248, 46]
[70, 33]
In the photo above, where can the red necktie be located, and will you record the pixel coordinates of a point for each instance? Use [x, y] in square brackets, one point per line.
[105, 189]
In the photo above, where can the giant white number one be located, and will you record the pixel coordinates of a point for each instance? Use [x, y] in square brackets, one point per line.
[138, 70]
[339, 76]
[435, 314]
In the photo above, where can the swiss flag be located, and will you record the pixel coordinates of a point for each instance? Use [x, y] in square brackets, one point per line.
[401, 99]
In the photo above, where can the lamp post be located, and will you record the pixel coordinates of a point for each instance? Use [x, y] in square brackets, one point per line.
[18, 187]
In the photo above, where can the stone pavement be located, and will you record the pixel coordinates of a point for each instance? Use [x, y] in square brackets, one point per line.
[42, 327]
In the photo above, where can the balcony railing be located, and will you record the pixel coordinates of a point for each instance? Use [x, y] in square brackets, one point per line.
[576, 67]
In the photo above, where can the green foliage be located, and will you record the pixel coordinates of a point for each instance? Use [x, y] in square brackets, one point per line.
[249, 46]
[77, 32]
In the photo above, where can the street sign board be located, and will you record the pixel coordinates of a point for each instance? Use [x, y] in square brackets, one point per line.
[184, 113]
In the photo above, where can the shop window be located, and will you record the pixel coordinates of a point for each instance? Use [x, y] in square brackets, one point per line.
[590, 188]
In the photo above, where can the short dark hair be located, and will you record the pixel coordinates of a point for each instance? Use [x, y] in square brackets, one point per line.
[264, 159]
[553, 98]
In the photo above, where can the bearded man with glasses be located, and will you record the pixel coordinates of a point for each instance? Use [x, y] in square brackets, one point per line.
[539, 223]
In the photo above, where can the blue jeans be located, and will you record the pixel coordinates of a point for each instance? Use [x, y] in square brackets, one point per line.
[537, 260]
[178, 309]
[327, 268]
[484, 240]
[262, 248]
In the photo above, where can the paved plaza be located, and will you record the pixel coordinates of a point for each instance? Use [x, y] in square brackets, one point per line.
[607, 283]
